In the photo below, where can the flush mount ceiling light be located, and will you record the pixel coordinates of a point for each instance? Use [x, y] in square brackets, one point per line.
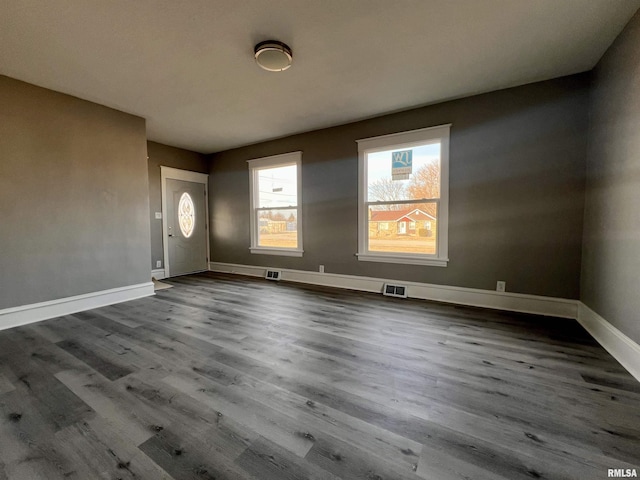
[273, 55]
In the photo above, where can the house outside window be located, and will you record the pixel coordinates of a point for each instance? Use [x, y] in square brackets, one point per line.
[276, 211]
[404, 186]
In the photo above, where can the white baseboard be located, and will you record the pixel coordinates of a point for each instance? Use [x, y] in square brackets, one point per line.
[36, 312]
[515, 302]
[621, 347]
[158, 273]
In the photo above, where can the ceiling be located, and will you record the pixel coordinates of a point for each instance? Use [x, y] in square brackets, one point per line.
[187, 65]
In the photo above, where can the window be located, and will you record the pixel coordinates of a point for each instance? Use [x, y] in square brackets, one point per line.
[276, 220]
[186, 217]
[404, 179]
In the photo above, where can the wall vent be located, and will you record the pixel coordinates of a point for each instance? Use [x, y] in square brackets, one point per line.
[273, 275]
[391, 290]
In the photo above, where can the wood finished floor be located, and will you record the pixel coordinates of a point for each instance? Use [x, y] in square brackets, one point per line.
[227, 377]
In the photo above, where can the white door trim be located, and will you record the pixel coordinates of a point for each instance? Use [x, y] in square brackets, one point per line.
[187, 176]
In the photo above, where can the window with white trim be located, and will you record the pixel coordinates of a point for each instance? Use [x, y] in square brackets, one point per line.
[276, 212]
[404, 179]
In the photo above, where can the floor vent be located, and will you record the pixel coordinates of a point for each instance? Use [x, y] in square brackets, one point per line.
[391, 290]
[273, 275]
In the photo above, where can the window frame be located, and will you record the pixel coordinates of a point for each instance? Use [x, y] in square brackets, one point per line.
[255, 165]
[399, 141]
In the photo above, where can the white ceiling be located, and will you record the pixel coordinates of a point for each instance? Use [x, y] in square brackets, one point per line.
[187, 65]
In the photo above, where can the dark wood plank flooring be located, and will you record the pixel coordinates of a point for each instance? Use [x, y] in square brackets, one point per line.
[227, 377]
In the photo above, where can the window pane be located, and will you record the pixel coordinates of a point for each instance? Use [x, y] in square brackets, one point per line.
[278, 228]
[277, 187]
[403, 228]
[404, 173]
[186, 215]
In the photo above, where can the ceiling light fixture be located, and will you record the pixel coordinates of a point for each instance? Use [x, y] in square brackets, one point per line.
[273, 55]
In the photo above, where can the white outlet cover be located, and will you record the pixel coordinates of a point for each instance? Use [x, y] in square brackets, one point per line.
[159, 264]
[158, 215]
[501, 286]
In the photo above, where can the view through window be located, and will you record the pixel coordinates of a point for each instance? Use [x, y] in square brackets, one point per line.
[402, 206]
[277, 207]
[399, 219]
[275, 204]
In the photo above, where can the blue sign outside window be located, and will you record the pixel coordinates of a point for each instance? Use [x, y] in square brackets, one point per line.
[401, 164]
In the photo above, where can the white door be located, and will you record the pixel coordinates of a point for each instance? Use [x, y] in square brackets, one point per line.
[402, 228]
[186, 234]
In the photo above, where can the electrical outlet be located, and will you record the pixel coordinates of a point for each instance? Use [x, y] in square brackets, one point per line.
[321, 269]
[159, 264]
[501, 286]
[158, 215]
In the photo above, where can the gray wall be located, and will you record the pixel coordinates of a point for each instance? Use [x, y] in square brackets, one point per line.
[74, 199]
[164, 155]
[611, 260]
[517, 164]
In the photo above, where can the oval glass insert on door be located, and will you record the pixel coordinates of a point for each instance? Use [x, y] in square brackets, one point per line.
[186, 215]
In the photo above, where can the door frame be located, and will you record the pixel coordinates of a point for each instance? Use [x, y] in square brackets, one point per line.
[187, 176]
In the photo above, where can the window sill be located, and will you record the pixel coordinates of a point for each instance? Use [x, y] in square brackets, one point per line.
[285, 252]
[432, 262]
